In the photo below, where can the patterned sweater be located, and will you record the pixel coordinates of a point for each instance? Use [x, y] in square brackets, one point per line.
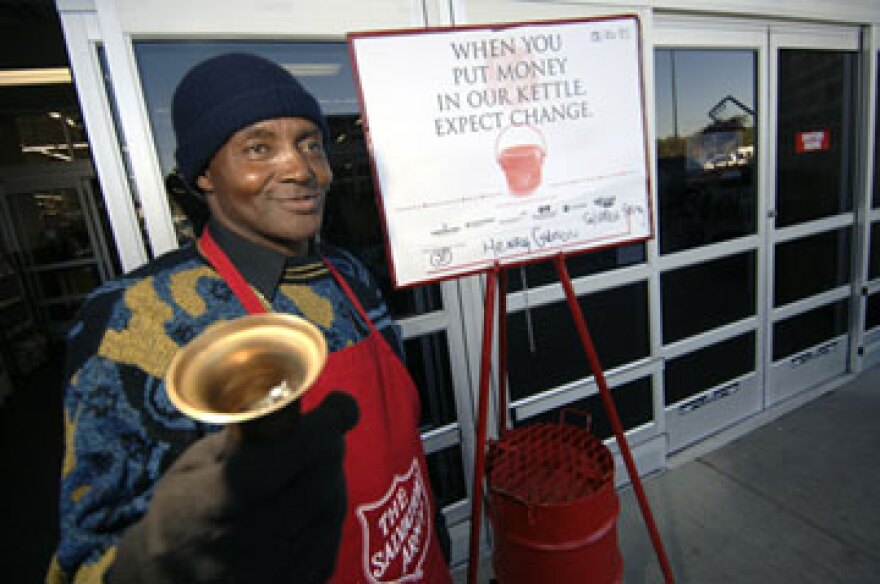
[122, 432]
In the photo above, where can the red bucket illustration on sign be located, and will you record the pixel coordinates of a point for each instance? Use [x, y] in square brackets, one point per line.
[520, 151]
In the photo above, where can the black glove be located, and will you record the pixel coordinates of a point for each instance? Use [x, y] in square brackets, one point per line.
[233, 510]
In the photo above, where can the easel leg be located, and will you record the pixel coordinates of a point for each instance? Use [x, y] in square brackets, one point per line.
[480, 445]
[611, 412]
[502, 353]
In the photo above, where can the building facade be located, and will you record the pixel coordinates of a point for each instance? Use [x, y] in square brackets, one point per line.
[760, 290]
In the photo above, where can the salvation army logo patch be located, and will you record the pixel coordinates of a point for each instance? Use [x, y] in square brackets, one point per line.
[397, 530]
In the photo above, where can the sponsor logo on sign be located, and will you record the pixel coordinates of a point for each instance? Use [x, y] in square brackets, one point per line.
[397, 530]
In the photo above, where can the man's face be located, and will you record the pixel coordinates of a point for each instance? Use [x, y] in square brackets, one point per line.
[268, 183]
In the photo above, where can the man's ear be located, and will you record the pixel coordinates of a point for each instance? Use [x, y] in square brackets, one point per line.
[204, 182]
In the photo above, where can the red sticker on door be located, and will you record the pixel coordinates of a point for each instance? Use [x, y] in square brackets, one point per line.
[813, 141]
[397, 530]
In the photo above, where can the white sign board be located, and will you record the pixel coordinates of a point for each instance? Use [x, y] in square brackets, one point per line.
[504, 144]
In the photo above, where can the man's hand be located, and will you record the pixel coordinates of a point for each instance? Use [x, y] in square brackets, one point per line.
[230, 510]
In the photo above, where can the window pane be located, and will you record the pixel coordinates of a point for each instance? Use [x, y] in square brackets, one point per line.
[578, 265]
[706, 167]
[814, 147]
[52, 231]
[876, 198]
[814, 264]
[699, 298]
[633, 401]
[427, 358]
[705, 368]
[872, 312]
[51, 225]
[55, 136]
[447, 476]
[351, 218]
[874, 252]
[544, 349]
[810, 328]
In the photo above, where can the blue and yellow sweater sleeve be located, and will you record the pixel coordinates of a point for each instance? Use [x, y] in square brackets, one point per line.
[122, 432]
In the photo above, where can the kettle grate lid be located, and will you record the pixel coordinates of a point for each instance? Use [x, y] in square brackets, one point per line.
[548, 464]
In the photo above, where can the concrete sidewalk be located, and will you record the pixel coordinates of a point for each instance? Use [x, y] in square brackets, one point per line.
[796, 500]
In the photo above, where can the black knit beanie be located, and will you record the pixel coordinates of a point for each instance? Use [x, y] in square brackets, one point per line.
[222, 95]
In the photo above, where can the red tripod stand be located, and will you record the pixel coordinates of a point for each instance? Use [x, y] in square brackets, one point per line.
[493, 277]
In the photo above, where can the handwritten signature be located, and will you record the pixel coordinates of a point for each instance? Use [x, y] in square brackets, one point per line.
[540, 237]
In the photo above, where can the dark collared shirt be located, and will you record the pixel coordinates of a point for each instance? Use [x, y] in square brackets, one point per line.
[266, 270]
[260, 266]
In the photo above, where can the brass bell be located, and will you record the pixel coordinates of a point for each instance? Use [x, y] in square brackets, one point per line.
[248, 372]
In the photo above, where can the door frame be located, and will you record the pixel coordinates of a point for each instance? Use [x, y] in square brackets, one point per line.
[831, 358]
[867, 340]
[770, 383]
[717, 407]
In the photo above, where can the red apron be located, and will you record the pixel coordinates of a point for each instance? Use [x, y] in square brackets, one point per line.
[389, 533]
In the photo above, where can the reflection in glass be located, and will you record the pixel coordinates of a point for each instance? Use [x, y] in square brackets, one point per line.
[809, 329]
[811, 265]
[633, 402]
[814, 144]
[708, 367]
[55, 136]
[545, 351]
[706, 157]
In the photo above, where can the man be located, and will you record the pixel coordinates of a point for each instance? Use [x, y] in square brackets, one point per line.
[149, 495]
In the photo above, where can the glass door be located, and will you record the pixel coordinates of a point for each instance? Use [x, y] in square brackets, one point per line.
[811, 210]
[56, 240]
[756, 188]
[709, 129]
[871, 310]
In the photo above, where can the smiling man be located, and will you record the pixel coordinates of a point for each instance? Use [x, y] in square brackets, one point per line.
[149, 495]
[268, 183]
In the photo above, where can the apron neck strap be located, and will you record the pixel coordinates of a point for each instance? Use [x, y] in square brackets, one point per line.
[230, 274]
[246, 294]
[348, 292]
